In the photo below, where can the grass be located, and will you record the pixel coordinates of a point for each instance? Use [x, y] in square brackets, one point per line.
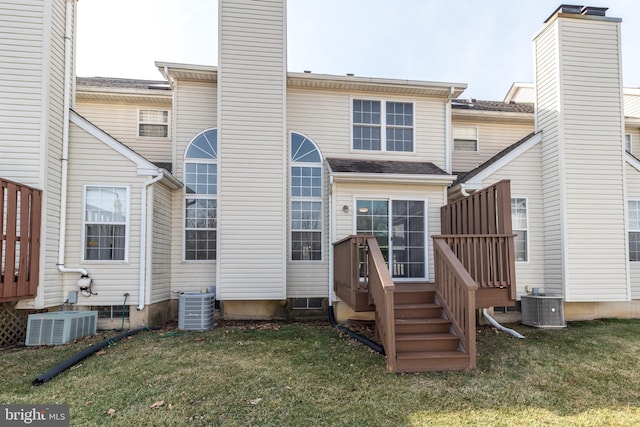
[269, 374]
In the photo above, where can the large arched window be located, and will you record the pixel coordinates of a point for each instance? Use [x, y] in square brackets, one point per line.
[306, 200]
[201, 196]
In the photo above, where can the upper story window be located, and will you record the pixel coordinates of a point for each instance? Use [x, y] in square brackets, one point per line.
[465, 138]
[306, 199]
[201, 197]
[627, 142]
[153, 123]
[105, 223]
[382, 126]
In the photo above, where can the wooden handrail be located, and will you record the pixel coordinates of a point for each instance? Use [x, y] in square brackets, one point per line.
[381, 289]
[455, 291]
[20, 217]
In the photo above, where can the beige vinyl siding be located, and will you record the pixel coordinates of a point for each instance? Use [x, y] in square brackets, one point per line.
[633, 193]
[526, 181]
[196, 110]
[548, 121]
[325, 117]
[94, 163]
[593, 161]
[252, 150]
[120, 120]
[635, 140]
[632, 105]
[346, 194]
[160, 260]
[492, 138]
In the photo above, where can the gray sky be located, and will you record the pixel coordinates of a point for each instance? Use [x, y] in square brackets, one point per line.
[484, 43]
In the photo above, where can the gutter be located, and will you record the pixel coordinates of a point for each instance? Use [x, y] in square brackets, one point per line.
[65, 143]
[143, 237]
[447, 131]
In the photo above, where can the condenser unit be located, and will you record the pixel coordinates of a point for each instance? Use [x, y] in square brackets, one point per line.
[195, 311]
[543, 311]
[60, 327]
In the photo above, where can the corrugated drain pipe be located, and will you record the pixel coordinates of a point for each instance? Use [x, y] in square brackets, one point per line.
[364, 340]
[74, 360]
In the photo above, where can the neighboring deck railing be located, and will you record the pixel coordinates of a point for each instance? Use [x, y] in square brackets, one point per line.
[455, 290]
[350, 272]
[20, 221]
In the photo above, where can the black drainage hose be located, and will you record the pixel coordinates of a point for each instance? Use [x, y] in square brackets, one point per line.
[81, 356]
[364, 340]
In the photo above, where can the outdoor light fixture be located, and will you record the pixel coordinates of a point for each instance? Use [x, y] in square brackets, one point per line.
[345, 209]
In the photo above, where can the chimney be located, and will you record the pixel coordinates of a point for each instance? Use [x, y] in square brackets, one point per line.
[579, 112]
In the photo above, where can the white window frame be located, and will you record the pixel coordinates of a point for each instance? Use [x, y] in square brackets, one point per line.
[629, 228]
[139, 122]
[390, 201]
[477, 138]
[127, 227]
[186, 196]
[292, 199]
[628, 142]
[383, 126]
[526, 230]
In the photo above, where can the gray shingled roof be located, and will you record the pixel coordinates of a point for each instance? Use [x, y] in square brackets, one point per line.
[112, 82]
[384, 167]
[507, 107]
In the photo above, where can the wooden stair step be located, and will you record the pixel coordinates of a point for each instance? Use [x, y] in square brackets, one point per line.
[422, 325]
[429, 342]
[416, 361]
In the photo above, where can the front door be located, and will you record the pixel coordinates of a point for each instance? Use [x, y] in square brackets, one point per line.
[400, 229]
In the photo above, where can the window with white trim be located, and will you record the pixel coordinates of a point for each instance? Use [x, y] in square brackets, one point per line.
[633, 208]
[201, 197]
[153, 123]
[520, 226]
[465, 138]
[306, 199]
[382, 126]
[627, 142]
[105, 223]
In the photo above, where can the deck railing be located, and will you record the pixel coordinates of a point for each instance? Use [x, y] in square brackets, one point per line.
[381, 289]
[455, 291]
[20, 220]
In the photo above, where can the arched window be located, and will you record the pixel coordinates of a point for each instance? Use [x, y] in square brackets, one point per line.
[306, 199]
[201, 196]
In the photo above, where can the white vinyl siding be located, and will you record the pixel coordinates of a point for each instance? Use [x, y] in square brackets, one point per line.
[493, 138]
[160, 260]
[252, 220]
[196, 111]
[120, 120]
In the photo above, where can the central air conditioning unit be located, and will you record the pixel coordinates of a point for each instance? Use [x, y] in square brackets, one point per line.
[543, 311]
[195, 311]
[60, 327]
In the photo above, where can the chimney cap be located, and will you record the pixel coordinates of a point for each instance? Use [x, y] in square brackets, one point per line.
[594, 11]
[566, 8]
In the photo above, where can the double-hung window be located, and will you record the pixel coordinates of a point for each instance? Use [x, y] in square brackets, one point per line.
[520, 226]
[633, 208]
[306, 200]
[153, 123]
[201, 198]
[105, 223]
[627, 142]
[465, 138]
[382, 126]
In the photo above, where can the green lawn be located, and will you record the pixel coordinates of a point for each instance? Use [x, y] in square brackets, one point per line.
[307, 375]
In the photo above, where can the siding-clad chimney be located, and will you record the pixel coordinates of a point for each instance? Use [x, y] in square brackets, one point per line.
[252, 158]
[579, 111]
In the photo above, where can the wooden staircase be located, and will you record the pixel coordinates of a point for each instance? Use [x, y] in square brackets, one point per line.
[424, 338]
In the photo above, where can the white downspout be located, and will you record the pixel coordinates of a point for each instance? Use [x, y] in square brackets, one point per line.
[331, 241]
[143, 237]
[498, 326]
[65, 143]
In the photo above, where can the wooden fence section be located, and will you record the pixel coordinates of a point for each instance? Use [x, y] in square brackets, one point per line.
[20, 221]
